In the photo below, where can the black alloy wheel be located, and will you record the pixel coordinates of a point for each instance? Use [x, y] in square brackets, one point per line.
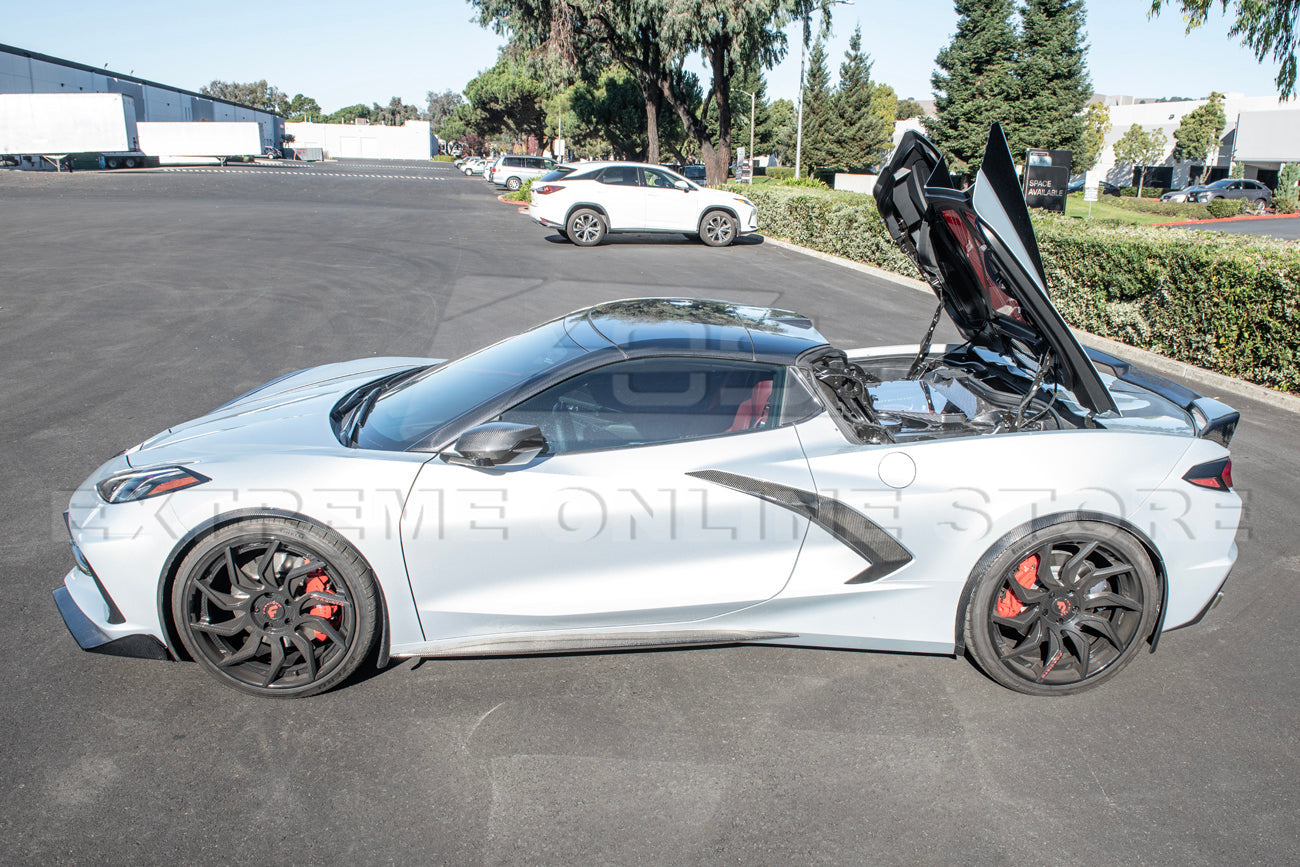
[275, 607]
[1063, 609]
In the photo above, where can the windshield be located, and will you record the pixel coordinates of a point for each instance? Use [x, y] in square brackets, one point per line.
[425, 403]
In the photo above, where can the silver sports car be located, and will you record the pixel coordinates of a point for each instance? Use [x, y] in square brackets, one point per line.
[670, 472]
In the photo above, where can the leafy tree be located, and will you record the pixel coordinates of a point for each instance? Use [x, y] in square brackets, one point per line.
[783, 126]
[1266, 26]
[653, 40]
[1238, 170]
[1198, 134]
[395, 113]
[908, 109]
[752, 81]
[442, 105]
[1289, 178]
[1096, 125]
[1141, 148]
[254, 94]
[348, 114]
[302, 108]
[509, 100]
[975, 81]
[884, 102]
[822, 125]
[863, 135]
[1052, 77]
[607, 116]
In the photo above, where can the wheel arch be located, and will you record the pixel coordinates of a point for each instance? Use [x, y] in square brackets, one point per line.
[578, 206]
[1043, 522]
[190, 540]
[726, 209]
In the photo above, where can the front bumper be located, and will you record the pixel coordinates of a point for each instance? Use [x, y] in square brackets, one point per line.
[101, 637]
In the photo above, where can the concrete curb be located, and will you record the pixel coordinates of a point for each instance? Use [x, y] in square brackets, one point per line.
[1210, 384]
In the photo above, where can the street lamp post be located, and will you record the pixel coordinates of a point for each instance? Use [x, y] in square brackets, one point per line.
[752, 100]
[803, 56]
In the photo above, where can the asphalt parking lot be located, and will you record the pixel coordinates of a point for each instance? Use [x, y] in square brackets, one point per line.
[1283, 228]
[133, 300]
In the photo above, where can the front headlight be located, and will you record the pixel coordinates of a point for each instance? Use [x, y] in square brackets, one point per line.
[140, 484]
[744, 201]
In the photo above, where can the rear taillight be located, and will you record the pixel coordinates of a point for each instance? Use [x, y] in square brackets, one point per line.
[1215, 474]
[547, 189]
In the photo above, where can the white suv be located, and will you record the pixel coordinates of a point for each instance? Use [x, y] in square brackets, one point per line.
[594, 199]
[512, 171]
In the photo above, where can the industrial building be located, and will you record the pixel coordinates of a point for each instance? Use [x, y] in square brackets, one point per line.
[1261, 132]
[412, 140]
[24, 71]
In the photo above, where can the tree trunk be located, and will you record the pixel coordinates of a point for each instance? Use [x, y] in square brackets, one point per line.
[652, 100]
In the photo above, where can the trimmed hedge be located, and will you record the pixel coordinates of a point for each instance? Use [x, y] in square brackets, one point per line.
[1226, 303]
[1174, 210]
[1220, 208]
[1148, 192]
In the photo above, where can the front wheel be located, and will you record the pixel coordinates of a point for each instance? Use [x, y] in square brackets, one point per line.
[718, 228]
[1062, 609]
[586, 227]
[275, 607]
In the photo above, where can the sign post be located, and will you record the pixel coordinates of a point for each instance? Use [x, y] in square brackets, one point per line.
[1047, 174]
[1091, 181]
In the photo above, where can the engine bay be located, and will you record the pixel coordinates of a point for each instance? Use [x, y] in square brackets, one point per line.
[963, 392]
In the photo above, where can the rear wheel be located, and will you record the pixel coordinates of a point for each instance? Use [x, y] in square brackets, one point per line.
[586, 227]
[1062, 609]
[513, 184]
[718, 228]
[275, 607]
[1259, 206]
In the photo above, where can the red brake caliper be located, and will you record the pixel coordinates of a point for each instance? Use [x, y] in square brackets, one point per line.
[1026, 575]
[319, 582]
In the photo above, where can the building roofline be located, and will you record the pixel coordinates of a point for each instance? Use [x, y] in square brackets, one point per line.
[36, 55]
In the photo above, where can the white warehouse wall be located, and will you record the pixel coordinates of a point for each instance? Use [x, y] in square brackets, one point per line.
[411, 141]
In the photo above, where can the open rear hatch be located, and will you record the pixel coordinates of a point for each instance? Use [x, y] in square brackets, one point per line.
[976, 248]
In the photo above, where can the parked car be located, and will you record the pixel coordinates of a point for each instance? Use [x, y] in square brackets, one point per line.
[489, 168]
[671, 472]
[1187, 194]
[603, 197]
[1104, 188]
[513, 171]
[1258, 195]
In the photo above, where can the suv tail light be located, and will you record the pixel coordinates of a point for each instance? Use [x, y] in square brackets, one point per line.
[547, 189]
[1215, 474]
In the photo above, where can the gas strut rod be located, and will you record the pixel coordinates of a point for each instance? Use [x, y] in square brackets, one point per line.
[915, 370]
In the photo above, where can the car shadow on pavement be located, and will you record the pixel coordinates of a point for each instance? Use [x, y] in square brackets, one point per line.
[650, 239]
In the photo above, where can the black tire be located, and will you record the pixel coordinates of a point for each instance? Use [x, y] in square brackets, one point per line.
[252, 611]
[718, 228]
[129, 162]
[1259, 206]
[586, 227]
[513, 183]
[1077, 624]
[112, 162]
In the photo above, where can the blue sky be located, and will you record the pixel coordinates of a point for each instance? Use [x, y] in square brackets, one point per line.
[345, 52]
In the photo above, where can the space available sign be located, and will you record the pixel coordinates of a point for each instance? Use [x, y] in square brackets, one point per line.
[1047, 174]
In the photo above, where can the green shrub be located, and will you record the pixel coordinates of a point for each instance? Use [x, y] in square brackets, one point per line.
[1230, 304]
[814, 183]
[1173, 210]
[1286, 203]
[523, 194]
[444, 158]
[1148, 192]
[1220, 208]
[781, 172]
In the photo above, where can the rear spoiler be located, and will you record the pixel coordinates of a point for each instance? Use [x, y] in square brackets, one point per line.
[1214, 420]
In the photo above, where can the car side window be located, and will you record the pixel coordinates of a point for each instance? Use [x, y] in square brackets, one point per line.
[622, 176]
[657, 400]
[658, 180]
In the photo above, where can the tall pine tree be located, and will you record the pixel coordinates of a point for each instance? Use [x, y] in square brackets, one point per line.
[864, 136]
[821, 123]
[975, 84]
[1052, 70]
